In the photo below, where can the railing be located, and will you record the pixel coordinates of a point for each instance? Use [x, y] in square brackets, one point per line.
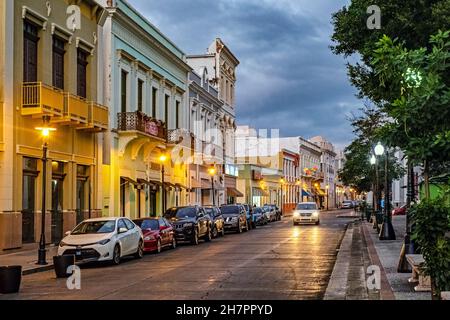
[99, 116]
[76, 109]
[38, 98]
[177, 136]
[139, 121]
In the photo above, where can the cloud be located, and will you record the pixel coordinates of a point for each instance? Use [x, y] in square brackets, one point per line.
[288, 78]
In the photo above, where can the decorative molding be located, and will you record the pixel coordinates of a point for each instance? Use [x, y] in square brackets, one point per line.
[83, 44]
[35, 17]
[49, 8]
[62, 33]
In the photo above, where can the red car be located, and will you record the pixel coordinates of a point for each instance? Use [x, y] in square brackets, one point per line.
[400, 211]
[158, 233]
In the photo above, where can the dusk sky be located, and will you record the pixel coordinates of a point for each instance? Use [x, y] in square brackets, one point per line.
[288, 78]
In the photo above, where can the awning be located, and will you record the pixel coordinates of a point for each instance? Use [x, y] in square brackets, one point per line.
[180, 186]
[129, 180]
[306, 193]
[233, 192]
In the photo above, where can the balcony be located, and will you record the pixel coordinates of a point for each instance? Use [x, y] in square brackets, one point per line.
[39, 99]
[140, 122]
[212, 152]
[98, 116]
[181, 136]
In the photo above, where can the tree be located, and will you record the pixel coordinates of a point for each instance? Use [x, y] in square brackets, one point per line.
[413, 21]
[419, 109]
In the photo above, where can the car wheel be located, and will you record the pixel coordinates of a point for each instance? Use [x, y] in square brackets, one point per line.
[116, 255]
[194, 240]
[158, 246]
[174, 243]
[140, 250]
[215, 232]
[208, 235]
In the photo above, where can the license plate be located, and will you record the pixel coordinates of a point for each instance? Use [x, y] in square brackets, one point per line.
[78, 253]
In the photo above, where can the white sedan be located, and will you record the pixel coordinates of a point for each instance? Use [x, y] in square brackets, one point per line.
[306, 212]
[103, 239]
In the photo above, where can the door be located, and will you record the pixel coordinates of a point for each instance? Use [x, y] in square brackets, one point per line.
[30, 174]
[58, 63]
[124, 238]
[81, 73]
[30, 52]
[153, 198]
[133, 235]
[57, 210]
[164, 232]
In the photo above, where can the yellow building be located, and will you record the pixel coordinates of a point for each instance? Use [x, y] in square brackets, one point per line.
[49, 78]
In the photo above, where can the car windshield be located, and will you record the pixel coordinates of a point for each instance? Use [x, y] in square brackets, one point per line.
[257, 210]
[92, 227]
[148, 224]
[210, 211]
[348, 201]
[306, 206]
[187, 212]
[230, 209]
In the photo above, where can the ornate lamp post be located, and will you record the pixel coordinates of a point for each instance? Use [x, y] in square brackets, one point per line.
[328, 193]
[45, 133]
[387, 230]
[212, 172]
[162, 160]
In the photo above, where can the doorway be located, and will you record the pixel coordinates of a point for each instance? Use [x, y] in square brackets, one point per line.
[57, 201]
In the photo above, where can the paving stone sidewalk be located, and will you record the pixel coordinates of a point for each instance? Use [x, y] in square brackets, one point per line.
[27, 259]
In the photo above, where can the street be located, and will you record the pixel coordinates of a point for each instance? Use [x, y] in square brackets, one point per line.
[277, 261]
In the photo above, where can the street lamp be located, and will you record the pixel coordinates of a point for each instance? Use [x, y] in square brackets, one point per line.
[282, 182]
[212, 172]
[328, 189]
[45, 133]
[387, 230]
[162, 159]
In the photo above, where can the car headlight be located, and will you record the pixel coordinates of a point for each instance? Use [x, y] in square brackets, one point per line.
[149, 238]
[188, 225]
[234, 219]
[63, 244]
[296, 213]
[315, 214]
[103, 242]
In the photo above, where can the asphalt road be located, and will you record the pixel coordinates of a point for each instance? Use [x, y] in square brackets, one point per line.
[278, 261]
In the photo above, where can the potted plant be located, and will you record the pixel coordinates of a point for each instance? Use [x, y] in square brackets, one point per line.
[10, 278]
[61, 263]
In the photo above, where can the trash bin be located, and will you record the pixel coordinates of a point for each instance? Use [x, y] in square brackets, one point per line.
[10, 278]
[61, 263]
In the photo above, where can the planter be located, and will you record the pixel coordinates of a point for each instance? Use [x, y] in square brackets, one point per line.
[61, 263]
[10, 278]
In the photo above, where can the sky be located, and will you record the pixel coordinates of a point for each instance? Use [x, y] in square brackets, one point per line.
[288, 78]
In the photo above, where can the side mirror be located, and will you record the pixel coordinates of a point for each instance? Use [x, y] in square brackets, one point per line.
[123, 230]
[67, 233]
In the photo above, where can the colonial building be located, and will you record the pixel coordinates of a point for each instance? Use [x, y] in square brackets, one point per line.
[146, 89]
[327, 167]
[49, 58]
[218, 65]
[291, 183]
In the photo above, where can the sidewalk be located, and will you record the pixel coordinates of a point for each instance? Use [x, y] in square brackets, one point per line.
[27, 259]
[361, 248]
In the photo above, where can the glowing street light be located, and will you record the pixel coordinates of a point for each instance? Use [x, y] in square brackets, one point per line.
[162, 160]
[212, 172]
[45, 133]
[379, 149]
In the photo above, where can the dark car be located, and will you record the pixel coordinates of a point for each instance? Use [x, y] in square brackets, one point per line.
[158, 233]
[235, 217]
[218, 223]
[190, 223]
[249, 212]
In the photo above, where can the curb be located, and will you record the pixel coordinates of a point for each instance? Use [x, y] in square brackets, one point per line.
[386, 292]
[37, 270]
[337, 285]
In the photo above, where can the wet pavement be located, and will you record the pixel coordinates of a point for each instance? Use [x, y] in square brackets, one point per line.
[277, 261]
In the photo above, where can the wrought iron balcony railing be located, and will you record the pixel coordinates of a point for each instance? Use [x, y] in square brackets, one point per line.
[139, 121]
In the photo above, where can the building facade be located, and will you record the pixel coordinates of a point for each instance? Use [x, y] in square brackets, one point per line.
[49, 79]
[327, 167]
[219, 65]
[146, 89]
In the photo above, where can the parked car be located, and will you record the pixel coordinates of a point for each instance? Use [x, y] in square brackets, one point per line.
[190, 223]
[249, 212]
[267, 213]
[272, 213]
[306, 212]
[158, 233]
[277, 211]
[347, 204]
[103, 239]
[235, 217]
[400, 211]
[218, 223]
[259, 218]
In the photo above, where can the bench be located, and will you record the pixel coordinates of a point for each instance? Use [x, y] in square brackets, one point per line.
[445, 295]
[416, 261]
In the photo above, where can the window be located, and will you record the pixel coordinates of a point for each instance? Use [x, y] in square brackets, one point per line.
[58, 63]
[82, 73]
[177, 115]
[140, 94]
[121, 224]
[123, 91]
[130, 225]
[166, 111]
[30, 52]
[154, 95]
